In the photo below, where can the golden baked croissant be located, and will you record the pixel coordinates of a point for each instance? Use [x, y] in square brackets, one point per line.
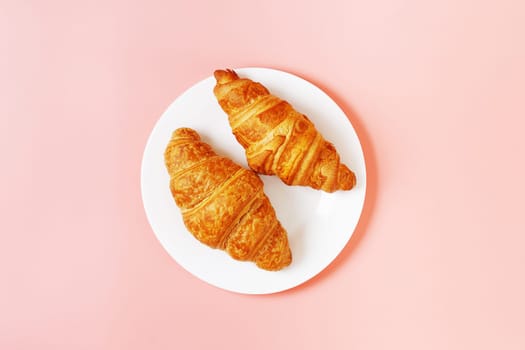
[223, 204]
[279, 140]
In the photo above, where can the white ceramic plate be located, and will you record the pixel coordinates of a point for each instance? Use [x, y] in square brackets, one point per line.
[319, 224]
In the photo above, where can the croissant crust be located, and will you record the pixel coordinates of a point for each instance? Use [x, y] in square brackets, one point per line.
[223, 204]
[277, 139]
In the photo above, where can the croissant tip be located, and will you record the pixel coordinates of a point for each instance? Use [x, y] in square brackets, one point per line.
[347, 178]
[225, 75]
[185, 133]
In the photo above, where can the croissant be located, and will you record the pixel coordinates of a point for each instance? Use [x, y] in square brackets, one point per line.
[223, 204]
[277, 139]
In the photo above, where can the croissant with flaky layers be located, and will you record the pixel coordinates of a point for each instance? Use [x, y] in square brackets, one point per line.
[277, 139]
[223, 204]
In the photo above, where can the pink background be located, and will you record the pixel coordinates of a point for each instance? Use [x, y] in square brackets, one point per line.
[435, 90]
